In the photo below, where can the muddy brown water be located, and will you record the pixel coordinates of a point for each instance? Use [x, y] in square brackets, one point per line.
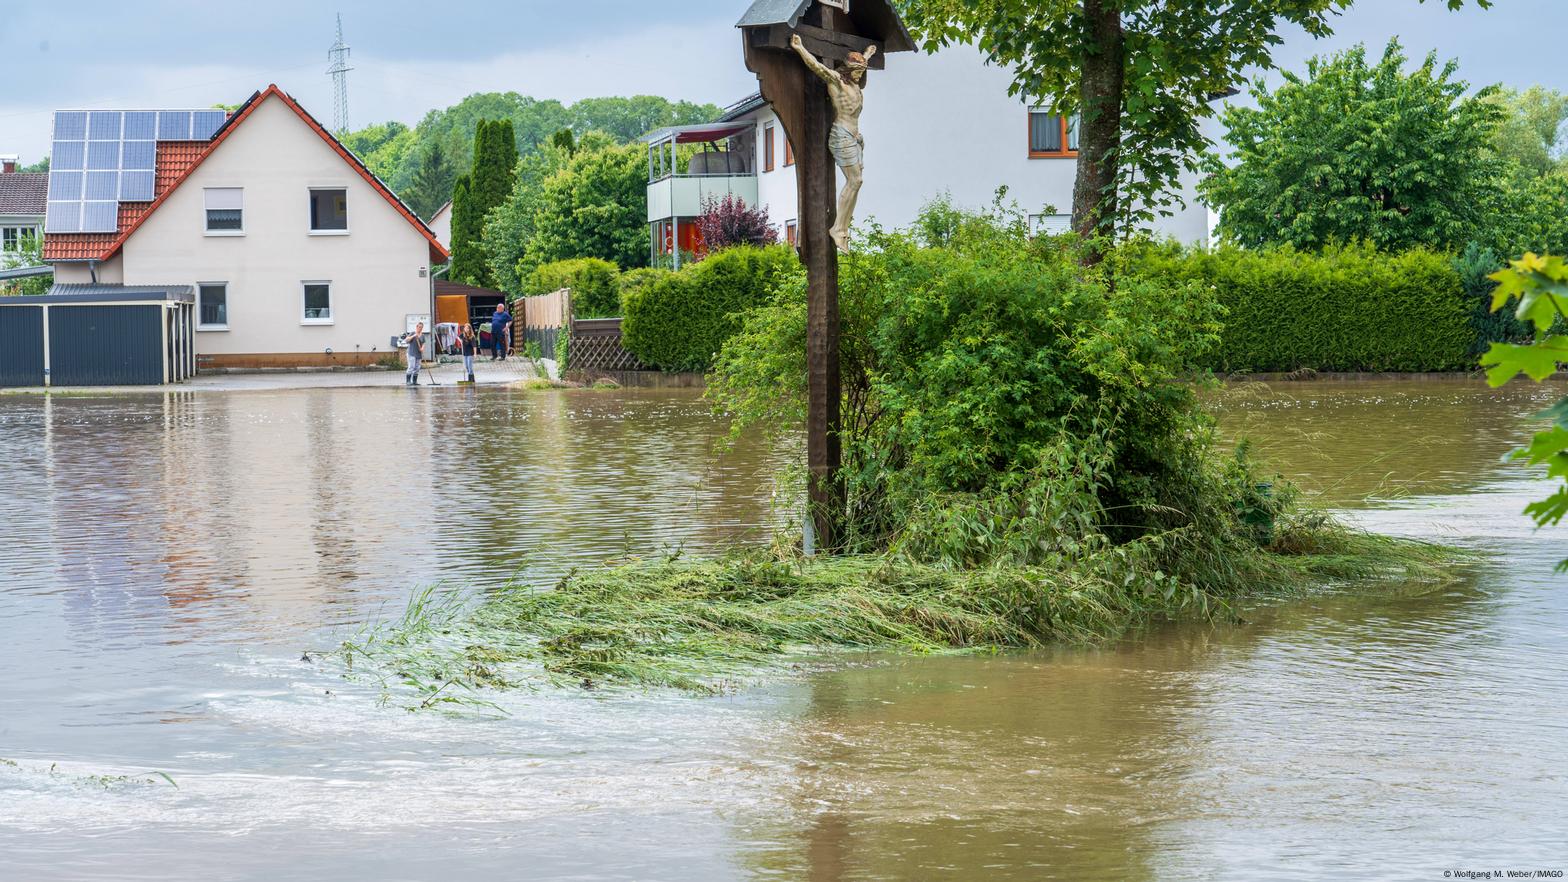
[165, 558]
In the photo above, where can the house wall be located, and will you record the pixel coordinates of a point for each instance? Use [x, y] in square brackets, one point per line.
[944, 123]
[375, 269]
[80, 272]
[441, 225]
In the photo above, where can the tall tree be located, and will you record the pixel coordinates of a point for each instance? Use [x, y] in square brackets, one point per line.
[467, 265]
[490, 182]
[593, 207]
[509, 227]
[1532, 131]
[433, 180]
[1141, 72]
[1304, 171]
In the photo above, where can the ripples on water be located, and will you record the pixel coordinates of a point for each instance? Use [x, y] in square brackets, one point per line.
[164, 559]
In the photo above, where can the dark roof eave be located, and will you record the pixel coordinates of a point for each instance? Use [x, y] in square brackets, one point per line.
[742, 107]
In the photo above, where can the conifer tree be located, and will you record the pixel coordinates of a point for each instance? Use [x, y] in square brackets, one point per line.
[489, 183]
[467, 259]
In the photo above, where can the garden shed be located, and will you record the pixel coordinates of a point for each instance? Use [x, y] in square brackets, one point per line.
[98, 335]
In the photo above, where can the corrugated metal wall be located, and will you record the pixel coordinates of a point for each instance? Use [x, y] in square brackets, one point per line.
[109, 345]
[21, 346]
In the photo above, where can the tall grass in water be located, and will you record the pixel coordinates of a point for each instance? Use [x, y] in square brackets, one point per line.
[704, 625]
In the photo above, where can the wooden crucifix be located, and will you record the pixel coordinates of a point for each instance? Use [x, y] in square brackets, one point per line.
[794, 47]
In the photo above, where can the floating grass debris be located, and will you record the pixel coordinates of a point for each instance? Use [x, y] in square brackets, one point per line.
[102, 781]
[707, 625]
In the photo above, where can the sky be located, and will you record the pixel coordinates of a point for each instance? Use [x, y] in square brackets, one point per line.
[411, 57]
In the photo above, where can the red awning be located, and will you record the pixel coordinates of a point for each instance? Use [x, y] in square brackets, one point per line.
[701, 134]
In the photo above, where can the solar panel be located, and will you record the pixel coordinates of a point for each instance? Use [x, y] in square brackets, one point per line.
[206, 122]
[68, 155]
[104, 125]
[65, 185]
[103, 157]
[138, 155]
[64, 217]
[102, 185]
[70, 125]
[141, 125]
[136, 186]
[100, 217]
[174, 125]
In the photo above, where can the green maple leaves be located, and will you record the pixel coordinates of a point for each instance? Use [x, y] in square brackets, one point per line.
[1540, 284]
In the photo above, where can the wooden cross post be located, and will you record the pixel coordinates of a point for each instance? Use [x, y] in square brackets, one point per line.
[831, 31]
[817, 177]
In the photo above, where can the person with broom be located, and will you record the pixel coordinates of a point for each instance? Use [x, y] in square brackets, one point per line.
[414, 344]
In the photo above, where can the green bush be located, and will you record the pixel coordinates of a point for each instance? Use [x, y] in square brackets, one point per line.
[1344, 309]
[1475, 266]
[679, 321]
[595, 285]
[1003, 404]
[640, 278]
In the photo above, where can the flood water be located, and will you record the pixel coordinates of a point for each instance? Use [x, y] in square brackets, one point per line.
[165, 560]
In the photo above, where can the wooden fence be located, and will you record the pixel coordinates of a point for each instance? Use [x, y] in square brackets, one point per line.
[541, 321]
[596, 346]
[593, 344]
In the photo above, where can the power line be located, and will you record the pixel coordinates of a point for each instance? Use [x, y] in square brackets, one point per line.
[339, 69]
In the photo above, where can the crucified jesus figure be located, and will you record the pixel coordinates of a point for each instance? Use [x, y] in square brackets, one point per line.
[844, 140]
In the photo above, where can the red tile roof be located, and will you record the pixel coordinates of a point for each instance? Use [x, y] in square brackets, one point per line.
[184, 160]
[174, 159]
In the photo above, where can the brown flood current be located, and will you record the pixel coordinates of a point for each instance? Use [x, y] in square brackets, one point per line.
[166, 558]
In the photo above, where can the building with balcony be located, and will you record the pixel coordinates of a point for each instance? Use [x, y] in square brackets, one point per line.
[935, 125]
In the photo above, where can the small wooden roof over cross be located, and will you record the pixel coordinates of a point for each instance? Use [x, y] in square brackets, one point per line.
[830, 31]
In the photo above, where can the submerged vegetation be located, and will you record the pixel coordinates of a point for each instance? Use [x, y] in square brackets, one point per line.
[706, 625]
[1026, 461]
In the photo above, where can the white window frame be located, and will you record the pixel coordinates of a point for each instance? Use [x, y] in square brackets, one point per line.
[18, 232]
[331, 316]
[204, 209]
[308, 224]
[204, 327]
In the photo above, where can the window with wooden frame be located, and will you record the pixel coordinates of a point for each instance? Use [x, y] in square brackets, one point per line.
[789, 152]
[792, 233]
[767, 147]
[1052, 135]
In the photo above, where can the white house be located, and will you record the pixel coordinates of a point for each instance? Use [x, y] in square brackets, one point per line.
[298, 254]
[933, 124]
[22, 197]
[440, 223]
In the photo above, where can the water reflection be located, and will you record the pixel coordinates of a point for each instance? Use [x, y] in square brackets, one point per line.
[1351, 441]
[165, 558]
[276, 506]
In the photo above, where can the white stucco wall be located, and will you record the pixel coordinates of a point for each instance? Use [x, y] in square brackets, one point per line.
[775, 189]
[374, 269]
[74, 272]
[441, 225]
[945, 123]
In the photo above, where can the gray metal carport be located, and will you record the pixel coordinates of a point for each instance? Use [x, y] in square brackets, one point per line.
[99, 335]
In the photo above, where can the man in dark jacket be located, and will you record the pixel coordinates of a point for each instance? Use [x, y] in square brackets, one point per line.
[500, 332]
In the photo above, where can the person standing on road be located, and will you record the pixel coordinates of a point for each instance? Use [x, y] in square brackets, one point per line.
[500, 332]
[415, 347]
[469, 341]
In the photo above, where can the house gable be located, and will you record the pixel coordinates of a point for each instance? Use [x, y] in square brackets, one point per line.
[133, 215]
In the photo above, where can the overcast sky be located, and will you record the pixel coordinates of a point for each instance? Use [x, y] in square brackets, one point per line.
[409, 57]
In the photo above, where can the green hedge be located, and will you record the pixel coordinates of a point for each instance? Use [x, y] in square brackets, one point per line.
[640, 278]
[678, 321]
[1345, 309]
[595, 284]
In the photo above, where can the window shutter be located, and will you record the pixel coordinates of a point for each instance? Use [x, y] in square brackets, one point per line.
[225, 198]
